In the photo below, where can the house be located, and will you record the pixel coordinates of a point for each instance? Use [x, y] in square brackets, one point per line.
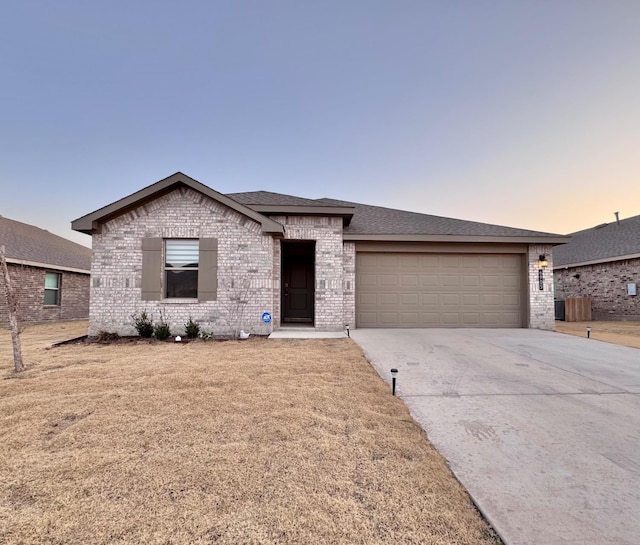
[602, 263]
[50, 274]
[261, 260]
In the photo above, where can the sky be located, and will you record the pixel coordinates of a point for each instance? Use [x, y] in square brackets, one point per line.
[519, 113]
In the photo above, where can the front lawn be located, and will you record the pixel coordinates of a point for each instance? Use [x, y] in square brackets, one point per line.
[238, 442]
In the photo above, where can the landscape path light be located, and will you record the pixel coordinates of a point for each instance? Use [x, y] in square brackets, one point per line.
[588, 332]
[394, 374]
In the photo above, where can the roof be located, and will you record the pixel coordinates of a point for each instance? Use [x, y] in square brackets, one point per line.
[91, 222]
[379, 223]
[30, 245]
[600, 244]
[361, 222]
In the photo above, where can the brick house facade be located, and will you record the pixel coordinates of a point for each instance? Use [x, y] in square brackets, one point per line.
[249, 254]
[49, 274]
[29, 285]
[603, 264]
[606, 284]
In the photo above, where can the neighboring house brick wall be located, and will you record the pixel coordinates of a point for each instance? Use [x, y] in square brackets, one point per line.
[606, 285]
[541, 309]
[327, 233]
[28, 285]
[244, 255]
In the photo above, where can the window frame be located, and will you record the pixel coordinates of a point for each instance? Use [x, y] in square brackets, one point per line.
[57, 290]
[166, 268]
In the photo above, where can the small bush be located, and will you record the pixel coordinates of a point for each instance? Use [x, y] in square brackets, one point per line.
[143, 324]
[161, 331]
[191, 329]
[205, 335]
[106, 336]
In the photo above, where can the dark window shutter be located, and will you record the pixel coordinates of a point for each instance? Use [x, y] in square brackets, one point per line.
[151, 269]
[208, 270]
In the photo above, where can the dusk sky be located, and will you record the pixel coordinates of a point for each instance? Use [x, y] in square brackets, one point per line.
[519, 113]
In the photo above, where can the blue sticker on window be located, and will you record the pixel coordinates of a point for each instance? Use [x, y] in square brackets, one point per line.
[266, 317]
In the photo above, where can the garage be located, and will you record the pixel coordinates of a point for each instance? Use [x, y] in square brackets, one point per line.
[440, 290]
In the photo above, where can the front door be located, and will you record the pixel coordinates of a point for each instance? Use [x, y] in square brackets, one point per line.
[298, 292]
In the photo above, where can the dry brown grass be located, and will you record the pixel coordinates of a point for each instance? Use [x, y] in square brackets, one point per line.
[254, 442]
[624, 333]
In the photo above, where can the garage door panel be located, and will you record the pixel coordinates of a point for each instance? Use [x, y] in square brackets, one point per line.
[367, 299]
[388, 280]
[510, 281]
[471, 300]
[450, 299]
[410, 299]
[471, 319]
[450, 319]
[409, 319]
[409, 280]
[427, 280]
[429, 300]
[451, 281]
[388, 318]
[470, 281]
[388, 298]
[439, 290]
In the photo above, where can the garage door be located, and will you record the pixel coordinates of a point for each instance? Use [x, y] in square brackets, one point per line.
[439, 290]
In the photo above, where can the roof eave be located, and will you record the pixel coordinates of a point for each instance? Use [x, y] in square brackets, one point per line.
[553, 240]
[27, 263]
[595, 261]
[90, 223]
[345, 212]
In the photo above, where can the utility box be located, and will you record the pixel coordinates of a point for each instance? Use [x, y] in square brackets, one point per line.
[577, 309]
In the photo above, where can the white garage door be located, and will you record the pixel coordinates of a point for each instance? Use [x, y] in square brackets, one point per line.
[439, 290]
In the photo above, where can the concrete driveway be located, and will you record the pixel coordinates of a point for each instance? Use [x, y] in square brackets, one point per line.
[543, 429]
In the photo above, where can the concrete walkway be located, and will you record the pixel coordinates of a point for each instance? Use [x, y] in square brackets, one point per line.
[305, 333]
[543, 429]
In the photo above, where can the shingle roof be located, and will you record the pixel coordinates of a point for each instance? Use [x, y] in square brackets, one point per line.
[377, 220]
[380, 221]
[275, 199]
[601, 243]
[25, 242]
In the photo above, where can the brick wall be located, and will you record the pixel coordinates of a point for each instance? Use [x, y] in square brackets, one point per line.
[327, 233]
[606, 285]
[28, 283]
[349, 283]
[541, 306]
[245, 256]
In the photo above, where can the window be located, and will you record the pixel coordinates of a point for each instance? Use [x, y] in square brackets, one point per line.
[52, 289]
[181, 268]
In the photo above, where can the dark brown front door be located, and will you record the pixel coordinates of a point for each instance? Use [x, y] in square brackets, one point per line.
[298, 293]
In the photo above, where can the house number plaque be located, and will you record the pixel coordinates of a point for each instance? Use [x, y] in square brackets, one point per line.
[540, 280]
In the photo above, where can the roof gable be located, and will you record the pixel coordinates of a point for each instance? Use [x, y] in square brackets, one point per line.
[606, 242]
[30, 245]
[90, 223]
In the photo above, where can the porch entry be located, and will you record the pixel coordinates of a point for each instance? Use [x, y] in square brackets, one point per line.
[298, 281]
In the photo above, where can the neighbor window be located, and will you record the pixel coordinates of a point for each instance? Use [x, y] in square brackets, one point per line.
[52, 289]
[181, 265]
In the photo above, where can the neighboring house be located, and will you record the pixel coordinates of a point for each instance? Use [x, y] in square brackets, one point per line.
[50, 274]
[602, 263]
[180, 249]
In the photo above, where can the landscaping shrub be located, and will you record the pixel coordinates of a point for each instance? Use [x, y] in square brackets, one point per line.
[161, 331]
[192, 329]
[143, 324]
